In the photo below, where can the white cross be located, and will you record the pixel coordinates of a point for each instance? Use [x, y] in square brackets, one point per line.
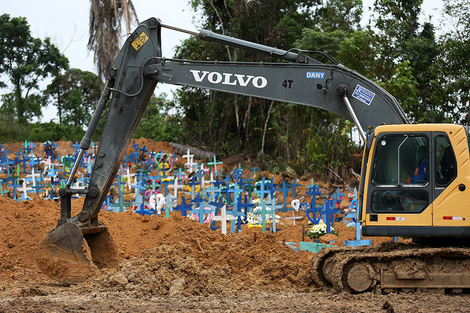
[176, 186]
[25, 190]
[33, 175]
[47, 164]
[223, 218]
[190, 161]
[296, 205]
[128, 176]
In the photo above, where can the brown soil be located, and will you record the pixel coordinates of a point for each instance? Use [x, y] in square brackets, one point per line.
[176, 264]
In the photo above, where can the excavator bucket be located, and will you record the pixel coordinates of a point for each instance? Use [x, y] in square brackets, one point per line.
[65, 255]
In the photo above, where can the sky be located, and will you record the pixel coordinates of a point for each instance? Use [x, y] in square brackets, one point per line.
[66, 23]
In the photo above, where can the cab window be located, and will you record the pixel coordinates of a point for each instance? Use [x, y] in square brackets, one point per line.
[446, 165]
[401, 160]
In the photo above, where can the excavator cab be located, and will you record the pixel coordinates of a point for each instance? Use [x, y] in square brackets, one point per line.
[412, 184]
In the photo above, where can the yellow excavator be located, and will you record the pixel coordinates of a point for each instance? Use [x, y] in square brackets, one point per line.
[413, 183]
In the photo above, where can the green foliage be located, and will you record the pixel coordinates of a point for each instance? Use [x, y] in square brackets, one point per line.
[75, 94]
[453, 64]
[330, 146]
[13, 131]
[404, 86]
[25, 61]
[160, 122]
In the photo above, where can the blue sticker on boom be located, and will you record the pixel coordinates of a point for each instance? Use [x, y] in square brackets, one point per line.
[364, 95]
[315, 75]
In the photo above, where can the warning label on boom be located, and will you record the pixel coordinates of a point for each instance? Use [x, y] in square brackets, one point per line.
[364, 95]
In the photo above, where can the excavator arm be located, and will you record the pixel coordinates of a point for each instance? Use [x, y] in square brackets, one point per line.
[322, 86]
[132, 80]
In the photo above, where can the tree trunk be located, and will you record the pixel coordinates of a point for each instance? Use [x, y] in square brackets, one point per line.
[266, 127]
[246, 120]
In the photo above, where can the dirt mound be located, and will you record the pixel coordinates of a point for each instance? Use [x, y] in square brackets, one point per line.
[173, 249]
[190, 259]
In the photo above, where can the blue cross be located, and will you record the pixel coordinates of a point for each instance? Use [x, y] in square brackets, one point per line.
[247, 181]
[76, 147]
[313, 191]
[217, 183]
[144, 150]
[33, 161]
[237, 175]
[213, 192]
[140, 186]
[135, 146]
[24, 159]
[135, 157]
[246, 205]
[262, 192]
[183, 207]
[338, 198]
[174, 157]
[284, 191]
[7, 164]
[200, 210]
[165, 183]
[218, 204]
[237, 212]
[192, 185]
[14, 185]
[5, 155]
[254, 170]
[236, 191]
[294, 187]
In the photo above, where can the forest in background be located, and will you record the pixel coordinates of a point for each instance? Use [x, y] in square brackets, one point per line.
[427, 71]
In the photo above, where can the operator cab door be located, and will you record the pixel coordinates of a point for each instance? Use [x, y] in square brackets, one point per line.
[401, 190]
[409, 171]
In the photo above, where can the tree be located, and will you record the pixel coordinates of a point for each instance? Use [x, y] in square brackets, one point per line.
[160, 121]
[105, 30]
[453, 65]
[406, 47]
[25, 61]
[75, 94]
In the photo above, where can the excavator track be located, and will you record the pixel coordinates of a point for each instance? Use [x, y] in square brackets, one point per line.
[393, 268]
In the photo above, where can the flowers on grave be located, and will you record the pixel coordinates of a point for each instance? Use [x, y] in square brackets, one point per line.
[252, 219]
[318, 230]
[207, 217]
[255, 218]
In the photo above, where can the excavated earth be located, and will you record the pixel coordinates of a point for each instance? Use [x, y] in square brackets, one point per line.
[176, 264]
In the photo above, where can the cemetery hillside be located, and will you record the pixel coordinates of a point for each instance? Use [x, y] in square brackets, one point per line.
[313, 156]
[204, 250]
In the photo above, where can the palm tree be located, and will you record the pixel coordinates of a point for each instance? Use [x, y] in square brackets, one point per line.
[105, 30]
